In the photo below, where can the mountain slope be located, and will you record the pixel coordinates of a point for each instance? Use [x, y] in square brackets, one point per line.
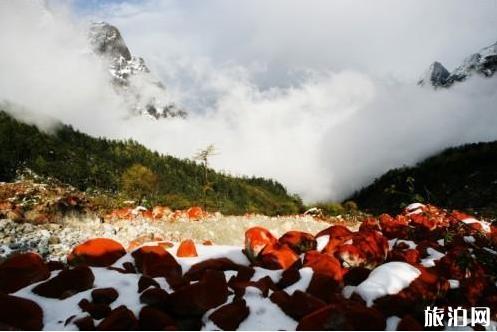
[129, 75]
[462, 178]
[96, 163]
[483, 62]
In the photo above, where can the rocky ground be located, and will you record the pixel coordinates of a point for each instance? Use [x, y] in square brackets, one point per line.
[381, 276]
[55, 240]
[52, 218]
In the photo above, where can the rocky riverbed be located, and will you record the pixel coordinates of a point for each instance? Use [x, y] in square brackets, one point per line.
[54, 240]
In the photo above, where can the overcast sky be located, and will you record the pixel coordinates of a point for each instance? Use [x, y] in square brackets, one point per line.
[384, 37]
[320, 95]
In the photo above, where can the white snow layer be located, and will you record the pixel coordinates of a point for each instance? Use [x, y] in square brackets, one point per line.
[386, 279]
[433, 256]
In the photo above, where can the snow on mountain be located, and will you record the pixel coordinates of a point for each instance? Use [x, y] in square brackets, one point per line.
[436, 74]
[484, 63]
[130, 75]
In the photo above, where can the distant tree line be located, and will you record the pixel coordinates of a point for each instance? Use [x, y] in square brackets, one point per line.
[124, 167]
[463, 178]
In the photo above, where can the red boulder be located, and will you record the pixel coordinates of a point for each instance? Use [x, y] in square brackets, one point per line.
[19, 314]
[96, 252]
[21, 270]
[66, 283]
[299, 242]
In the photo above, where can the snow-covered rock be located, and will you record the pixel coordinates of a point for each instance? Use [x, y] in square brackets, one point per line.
[386, 279]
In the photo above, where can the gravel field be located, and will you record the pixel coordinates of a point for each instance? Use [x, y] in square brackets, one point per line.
[54, 240]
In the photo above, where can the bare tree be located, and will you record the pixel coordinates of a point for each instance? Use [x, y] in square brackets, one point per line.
[203, 156]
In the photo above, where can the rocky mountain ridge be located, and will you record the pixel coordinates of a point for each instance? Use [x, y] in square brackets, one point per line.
[130, 76]
[483, 62]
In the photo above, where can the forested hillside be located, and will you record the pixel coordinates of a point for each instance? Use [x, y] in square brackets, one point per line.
[462, 177]
[124, 167]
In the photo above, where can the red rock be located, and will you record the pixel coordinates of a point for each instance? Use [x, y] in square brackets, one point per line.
[85, 323]
[21, 270]
[207, 243]
[147, 214]
[104, 295]
[299, 242]
[368, 248]
[422, 220]
[410, 256]
[336, 231]
[344, 315]
[120, 318]
[229, 316]
[156, 297]
[356, 275]
[139, 241]
[155, 261]
[55, 265]
[324, 264]
[96, 310]
[290, 275]
[195, 299]
[278, 257]
[256, 239]
[152, 319]
[19, 314]
[338, 234]
[245, 273]
[394, 227]
[298, 305]
[264, 284]
[195, 213]
[219, 264]
[408, 323]
[187, 249]
[66, 283]
[123, 213]
[161, 212]
[323, 287]
[96, 252]
[370, 224]
[146, 282]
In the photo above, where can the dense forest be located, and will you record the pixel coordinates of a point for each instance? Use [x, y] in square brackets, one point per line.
[129, 170]
[462, 178]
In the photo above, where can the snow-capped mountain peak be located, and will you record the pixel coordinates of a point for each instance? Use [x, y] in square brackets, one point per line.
[129, 74]
[484, 63]
[436, 74]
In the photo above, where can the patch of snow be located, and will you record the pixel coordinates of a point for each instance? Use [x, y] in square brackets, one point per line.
[322, 242]
[348, 290]
[56, 312]
[387, 279]
[229, 274]
[393, 242]
[490, 250]
[453, 283]
[264, 313]
[433, 256]
[484, 224]
[260, 272]
[233, 253]
[469, 239]
[414, 208]
[392, 323]
[305, 279]
[441, 242]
